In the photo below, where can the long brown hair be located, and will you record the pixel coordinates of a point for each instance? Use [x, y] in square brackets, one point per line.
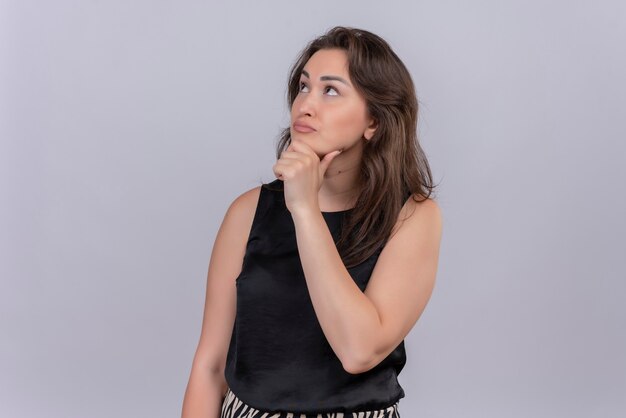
[394, 166]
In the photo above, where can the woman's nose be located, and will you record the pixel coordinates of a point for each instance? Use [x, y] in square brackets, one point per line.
[306, 105]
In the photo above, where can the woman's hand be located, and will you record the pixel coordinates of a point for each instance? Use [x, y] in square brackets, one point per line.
[302, 173]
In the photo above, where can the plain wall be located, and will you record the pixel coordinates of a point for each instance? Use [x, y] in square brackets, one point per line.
[128, 127]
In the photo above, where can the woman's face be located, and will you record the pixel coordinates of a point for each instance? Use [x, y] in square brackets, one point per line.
[328, 113]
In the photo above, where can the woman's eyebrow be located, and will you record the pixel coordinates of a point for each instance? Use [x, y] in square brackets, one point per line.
[327, 77]
[334, 77]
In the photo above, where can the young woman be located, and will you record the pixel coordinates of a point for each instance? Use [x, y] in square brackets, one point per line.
[316, 278]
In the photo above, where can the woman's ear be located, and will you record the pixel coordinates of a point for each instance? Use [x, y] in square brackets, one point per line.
[371, 128]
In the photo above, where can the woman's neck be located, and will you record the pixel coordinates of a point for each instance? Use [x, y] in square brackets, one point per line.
[339, 189]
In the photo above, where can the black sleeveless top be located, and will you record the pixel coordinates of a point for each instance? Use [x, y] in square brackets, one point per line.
[279, 359]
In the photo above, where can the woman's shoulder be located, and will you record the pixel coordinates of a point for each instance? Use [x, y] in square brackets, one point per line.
[422, 203]
[244, 205]
[419, 219]
[419, 209]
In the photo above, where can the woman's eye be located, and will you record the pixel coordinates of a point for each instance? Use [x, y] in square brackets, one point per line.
[303, 87]
[331, 91]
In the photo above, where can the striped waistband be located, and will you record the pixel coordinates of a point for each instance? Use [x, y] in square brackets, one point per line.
[233, 407]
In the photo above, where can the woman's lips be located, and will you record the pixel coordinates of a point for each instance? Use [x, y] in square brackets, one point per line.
[299, 127]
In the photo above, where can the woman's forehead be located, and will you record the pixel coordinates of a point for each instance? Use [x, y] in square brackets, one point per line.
[331, 61]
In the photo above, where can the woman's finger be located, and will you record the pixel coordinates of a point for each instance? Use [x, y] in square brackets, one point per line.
[290, 154]
[285, 167]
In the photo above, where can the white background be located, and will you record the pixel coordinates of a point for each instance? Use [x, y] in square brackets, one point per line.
[128, 127]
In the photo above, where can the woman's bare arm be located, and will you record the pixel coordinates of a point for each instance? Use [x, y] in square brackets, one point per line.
[207, 385]
[364, 327]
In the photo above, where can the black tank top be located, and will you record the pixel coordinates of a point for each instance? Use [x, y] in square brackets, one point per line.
[279, 359]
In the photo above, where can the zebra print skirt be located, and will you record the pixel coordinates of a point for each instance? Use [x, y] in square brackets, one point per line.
[233, 407]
